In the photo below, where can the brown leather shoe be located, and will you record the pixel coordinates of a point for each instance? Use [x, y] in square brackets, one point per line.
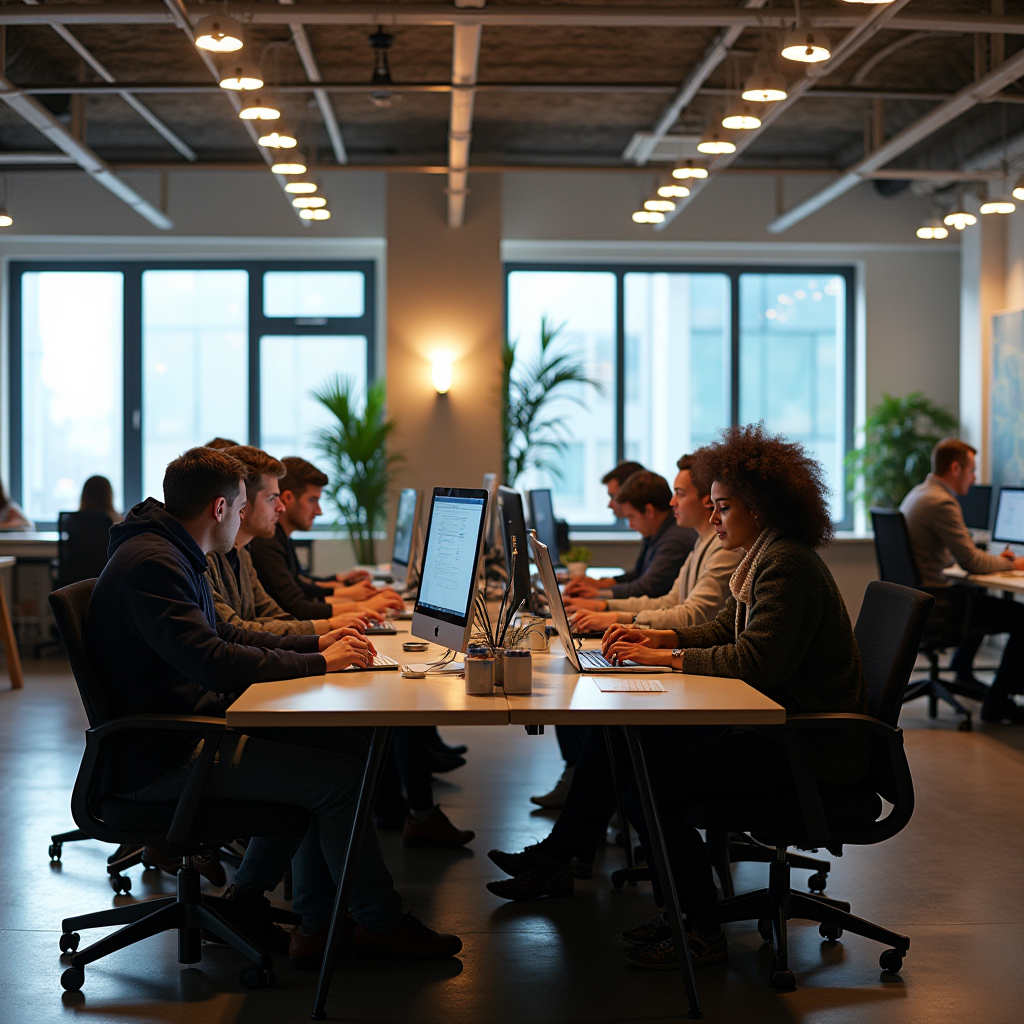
[265, 935]
[410, 939]
[306, 952]
[437, 830]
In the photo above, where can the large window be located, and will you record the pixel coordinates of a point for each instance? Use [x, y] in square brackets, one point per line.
[683, 352]
[118, 368]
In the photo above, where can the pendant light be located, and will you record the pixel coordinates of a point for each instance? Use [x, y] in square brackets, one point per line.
[380, 43]
[998, 204]
[278, 137]
[256, 108]
[1018, 189]
[687, 170]
[648, 217]
[241, 74]
[741, 116]
[309, 202]
[959, 218]
[6, 220]
[659, 205]
[315, 214]
[932, 229]
[672, 191]
[764, 87]
[294, 164]
[300, 188]
[805, 44]
[714, 141]
[218, 33]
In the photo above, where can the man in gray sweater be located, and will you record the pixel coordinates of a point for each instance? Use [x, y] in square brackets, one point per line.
[939, 539]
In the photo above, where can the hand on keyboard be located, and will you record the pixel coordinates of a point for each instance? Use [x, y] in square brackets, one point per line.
[348, 652]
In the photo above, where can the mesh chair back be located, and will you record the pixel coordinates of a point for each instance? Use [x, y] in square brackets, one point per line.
[70, 605]
[895, 556]
[82, 546]
[889, 629]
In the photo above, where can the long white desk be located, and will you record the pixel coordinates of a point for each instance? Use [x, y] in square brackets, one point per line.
[1007, 582]
[383, 699]
[35, 544]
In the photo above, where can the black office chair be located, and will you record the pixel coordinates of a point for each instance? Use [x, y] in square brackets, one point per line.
[948, 626]
[889, 629]
[182, 829]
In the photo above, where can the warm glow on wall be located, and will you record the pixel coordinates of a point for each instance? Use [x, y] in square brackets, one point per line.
[441, 372]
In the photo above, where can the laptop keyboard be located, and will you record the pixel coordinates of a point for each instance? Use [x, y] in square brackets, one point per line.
[593, 659]
[379, 661]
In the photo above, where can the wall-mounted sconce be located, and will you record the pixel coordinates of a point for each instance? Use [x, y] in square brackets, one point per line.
[441, 371]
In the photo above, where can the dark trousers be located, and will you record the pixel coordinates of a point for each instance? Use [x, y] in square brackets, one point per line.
[570, 742]
[989, 615]
[406, 767]
[591, 798]
[727, 765]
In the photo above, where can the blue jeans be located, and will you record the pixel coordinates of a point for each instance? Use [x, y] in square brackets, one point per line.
[324, 782]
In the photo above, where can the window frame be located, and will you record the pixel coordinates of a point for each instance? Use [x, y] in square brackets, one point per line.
[732, 271]
[133, 412]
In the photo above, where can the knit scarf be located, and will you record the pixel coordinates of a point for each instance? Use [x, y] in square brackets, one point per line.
[742, 580]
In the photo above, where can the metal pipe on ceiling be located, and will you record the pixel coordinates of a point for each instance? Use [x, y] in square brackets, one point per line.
[465, 64]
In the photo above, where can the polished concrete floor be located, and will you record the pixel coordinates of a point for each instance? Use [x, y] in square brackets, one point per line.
[953, 881]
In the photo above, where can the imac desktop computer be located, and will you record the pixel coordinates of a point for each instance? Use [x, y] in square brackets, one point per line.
[542, 513]
[408, 538]
[1009, 525]
[444, 610]
[513, 529]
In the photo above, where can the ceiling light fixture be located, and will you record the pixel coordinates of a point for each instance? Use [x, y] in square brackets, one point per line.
[278, 138]
[687, 170]
[806, 45]
[714, 141]
[380, 43]
[299, 188]
[959, 218]
[662, 205]
[315, 214]
[648, 217]
[309, 202]
[998, 204]
[1018, 189]
[764, 87]
[293, 165]
[218, 33]
[256, 108]
[673, 191]
[741, 116]
[241, 74]
[932, 228]
[6, 220]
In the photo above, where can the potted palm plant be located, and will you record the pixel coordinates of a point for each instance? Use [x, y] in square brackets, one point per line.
[361, 466]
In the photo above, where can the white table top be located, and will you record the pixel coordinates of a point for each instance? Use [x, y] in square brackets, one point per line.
[560, 697]
[29, 543]
[1008, 582]
[7, 561]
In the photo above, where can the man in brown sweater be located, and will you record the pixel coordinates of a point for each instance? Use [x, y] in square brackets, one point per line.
[940, 539]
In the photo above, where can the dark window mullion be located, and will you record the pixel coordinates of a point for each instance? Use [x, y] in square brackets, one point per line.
[15, 390]
[132, 374]
[256, 322]
[734, 353]
[620, 366]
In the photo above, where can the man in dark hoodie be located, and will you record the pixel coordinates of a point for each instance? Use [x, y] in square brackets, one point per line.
[152, 628]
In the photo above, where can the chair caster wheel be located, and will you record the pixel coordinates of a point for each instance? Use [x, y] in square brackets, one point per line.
[782, 981]
[253, 977]
[891, 961]
[69, 942]
[830, 932]
[120, 884]
[617, 882]
[764, 929]
[72, 979]
[55, 852]
[817, 882]
[964, 726]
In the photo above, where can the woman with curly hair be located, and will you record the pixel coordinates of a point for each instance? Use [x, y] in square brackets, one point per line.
[784, 631]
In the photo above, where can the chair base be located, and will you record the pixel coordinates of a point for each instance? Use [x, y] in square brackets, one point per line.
[125, 856]
[188, 913]
[775, 906]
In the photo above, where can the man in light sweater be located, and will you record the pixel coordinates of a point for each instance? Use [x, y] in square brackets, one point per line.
[939, 538]
[701, 588]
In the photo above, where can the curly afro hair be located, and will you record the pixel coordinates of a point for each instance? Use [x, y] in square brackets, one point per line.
[775, 478]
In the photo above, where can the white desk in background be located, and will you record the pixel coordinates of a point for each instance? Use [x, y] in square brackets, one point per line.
[29, 544]
[1009, 583]
[383, 699]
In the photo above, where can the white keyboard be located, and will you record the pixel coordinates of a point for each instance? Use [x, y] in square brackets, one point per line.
[616, 684]
[593, 659]
[379, 661]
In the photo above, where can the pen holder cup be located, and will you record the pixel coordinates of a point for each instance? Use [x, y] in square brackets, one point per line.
[480, 676]
[517, 668]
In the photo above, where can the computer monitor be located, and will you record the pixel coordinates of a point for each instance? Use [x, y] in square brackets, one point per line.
[444, 611]
[513, 527]
[407, 536]
[542, 514]
[1009, 525]
[490, 485]
[977, 506]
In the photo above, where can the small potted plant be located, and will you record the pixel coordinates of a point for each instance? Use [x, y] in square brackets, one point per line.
[577, 560]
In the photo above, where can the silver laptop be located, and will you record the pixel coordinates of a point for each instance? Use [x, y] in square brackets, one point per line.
[582, 661]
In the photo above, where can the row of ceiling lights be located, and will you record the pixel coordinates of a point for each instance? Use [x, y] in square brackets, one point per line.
[959, 219]
[221, 34]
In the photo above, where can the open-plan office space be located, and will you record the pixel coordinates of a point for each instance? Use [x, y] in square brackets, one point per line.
[627, 276]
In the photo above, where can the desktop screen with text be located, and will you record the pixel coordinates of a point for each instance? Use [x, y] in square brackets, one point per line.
[449, 566]
[1010, 517]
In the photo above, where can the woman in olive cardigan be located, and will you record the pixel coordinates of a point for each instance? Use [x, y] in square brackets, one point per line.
[785, 631]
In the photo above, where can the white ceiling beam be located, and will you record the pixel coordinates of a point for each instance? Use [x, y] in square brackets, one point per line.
[97, 168]
[136, 105]
[153, 13]
[465, 62]
[713, 56]
[869, 25]
[967, 98]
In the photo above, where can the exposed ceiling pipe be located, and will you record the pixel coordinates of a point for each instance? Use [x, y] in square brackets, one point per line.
[968, 97]
[885, 53]
[139, 107]
[713, 56]
[870, 25]
[98, 169]
[465, 61]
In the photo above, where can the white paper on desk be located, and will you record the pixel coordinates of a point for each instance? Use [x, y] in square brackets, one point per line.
[453, 668]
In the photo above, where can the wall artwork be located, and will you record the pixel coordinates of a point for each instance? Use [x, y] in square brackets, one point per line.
[1007, 389]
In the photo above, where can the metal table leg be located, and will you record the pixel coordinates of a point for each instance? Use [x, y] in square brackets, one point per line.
[364, 806]
[627, 839]
[660, 853]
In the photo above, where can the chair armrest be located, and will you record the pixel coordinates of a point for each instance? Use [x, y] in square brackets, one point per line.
[174, 723]
[833, 720]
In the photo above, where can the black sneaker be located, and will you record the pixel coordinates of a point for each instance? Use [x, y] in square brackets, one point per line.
[545, 879]
[706, 948]
[1002, 709]
[518, 863]
[646, 933]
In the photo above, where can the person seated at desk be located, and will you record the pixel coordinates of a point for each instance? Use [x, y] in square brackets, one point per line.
[701, 587]
[613, 481]
[11, 515]
[590, 799]
[277, 564]
[939, 538]
[645, 500]
[784, 630]
[152, 629]
[98, 496]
